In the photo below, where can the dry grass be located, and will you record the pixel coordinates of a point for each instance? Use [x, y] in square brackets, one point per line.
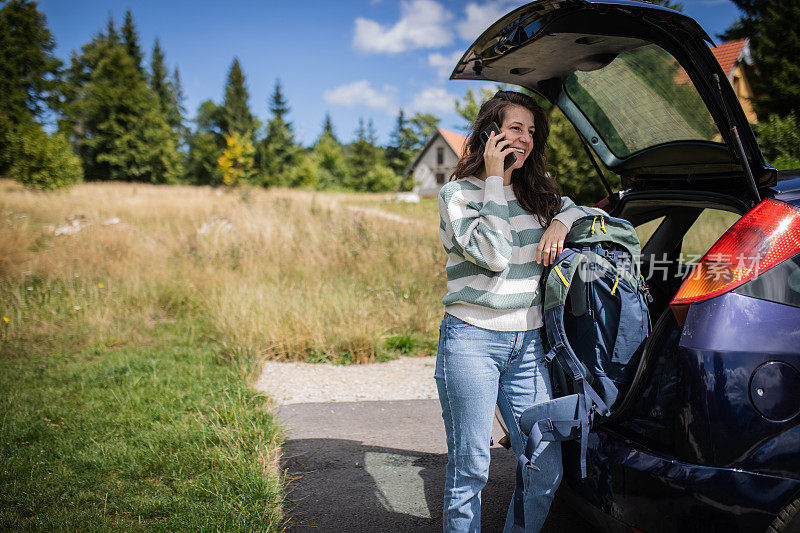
[283, 273]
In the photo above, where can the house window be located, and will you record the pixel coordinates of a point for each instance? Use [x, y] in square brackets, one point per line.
[440, 177]
[440, 156]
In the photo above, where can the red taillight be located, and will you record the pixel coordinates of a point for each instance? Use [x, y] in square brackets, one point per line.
[763, 238]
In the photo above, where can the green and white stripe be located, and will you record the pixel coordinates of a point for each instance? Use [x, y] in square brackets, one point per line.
[490, 240]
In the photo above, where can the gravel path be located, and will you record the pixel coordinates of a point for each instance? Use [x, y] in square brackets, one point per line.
[407, 378]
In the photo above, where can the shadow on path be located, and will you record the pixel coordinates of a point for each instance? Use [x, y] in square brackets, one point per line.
[379, 466]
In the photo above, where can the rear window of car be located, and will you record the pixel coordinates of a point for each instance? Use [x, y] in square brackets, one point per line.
[642, 98]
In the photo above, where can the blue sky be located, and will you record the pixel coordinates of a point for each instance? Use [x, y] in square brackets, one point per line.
[351, 59]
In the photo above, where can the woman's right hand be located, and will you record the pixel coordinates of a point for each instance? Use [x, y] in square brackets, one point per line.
[494, 156]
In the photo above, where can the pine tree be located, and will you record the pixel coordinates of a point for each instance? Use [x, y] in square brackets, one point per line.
[204, 146]
[327, 127]
[400, 152]
[29, 75]
[236, 116]
[774, 36]
[179, 99]
[278, 151]
[165, 89]
[112, 35]
[115, 118]
[329, 160]
[28, 68]
[131, 39]
[366, 168]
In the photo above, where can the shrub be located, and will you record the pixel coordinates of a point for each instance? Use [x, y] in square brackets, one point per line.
[779, 139]
[381, 178]
[236, 162]
[42, 161]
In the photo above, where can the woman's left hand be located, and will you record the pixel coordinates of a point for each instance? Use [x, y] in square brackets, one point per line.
[552, 243]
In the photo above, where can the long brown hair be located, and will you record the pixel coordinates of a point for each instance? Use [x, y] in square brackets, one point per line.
[535, 190]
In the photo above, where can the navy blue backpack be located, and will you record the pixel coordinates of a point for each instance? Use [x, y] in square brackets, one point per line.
[596, 321]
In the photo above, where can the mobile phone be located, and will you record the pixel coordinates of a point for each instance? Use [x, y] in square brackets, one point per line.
[493, 127]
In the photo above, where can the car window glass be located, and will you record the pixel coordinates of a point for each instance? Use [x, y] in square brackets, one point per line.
[641, 98]
[645, 231]
[705, 231]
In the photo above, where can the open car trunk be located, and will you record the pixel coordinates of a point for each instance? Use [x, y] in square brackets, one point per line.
[669, 223]
[639, 84]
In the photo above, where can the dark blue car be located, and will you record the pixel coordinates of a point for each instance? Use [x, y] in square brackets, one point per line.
[707, 437]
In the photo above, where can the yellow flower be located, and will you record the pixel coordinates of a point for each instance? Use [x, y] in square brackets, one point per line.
[6, 320]
[100, 285]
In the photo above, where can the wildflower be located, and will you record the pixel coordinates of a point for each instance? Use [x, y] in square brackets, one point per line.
[6, 319]
[100, 285]
[76, 307]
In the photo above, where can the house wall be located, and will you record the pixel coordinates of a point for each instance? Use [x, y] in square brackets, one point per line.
[425, 182]
[744, 91]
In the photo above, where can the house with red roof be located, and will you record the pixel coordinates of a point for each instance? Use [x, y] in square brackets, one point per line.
[737, 63]
[436, 161]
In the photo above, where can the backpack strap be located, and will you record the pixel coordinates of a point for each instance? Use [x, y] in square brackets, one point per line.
[554, 420]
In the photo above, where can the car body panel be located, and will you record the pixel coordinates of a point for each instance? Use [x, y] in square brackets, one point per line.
[653, 493]
[787, 189]
[694, 451]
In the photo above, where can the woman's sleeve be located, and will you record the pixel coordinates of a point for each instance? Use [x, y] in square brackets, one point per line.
[482, 237]
[570, 212]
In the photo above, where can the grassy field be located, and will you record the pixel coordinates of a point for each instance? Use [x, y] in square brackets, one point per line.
[133, 319]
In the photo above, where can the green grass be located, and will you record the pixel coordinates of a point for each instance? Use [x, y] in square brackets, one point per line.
[161, 437]
[128, 351]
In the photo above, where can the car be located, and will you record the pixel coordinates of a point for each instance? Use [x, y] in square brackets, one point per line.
[707, 437]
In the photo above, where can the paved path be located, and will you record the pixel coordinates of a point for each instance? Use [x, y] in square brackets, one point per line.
[379, 466]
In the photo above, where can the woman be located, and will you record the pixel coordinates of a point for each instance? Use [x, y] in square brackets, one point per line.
[499, 227]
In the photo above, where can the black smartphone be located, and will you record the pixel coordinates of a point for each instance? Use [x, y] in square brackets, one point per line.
[493, 127]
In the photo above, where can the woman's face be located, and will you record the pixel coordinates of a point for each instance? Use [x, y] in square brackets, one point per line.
[519, 127]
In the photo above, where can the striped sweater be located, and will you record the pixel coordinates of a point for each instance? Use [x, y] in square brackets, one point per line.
[490, 240]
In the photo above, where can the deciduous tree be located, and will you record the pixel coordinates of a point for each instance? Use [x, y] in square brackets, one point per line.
[237, 160]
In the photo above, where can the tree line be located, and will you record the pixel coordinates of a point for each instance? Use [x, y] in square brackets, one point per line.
[120, 117]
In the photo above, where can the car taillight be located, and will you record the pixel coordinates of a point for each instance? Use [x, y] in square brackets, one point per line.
[766, 236]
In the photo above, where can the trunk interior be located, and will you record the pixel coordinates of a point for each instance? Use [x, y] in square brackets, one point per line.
[675, 229]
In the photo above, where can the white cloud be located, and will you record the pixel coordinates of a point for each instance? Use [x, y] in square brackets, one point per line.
[443, 64]
[362, 93]
[434, 100]
[423, 24]
[480, 16]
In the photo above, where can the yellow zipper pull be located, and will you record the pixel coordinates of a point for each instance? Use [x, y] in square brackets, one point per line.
[603, 224]
[593, 221]
[614, 288]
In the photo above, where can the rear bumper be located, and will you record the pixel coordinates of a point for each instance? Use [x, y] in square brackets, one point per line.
[629, 486]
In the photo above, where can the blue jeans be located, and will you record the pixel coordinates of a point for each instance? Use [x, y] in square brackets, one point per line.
[477, 369]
